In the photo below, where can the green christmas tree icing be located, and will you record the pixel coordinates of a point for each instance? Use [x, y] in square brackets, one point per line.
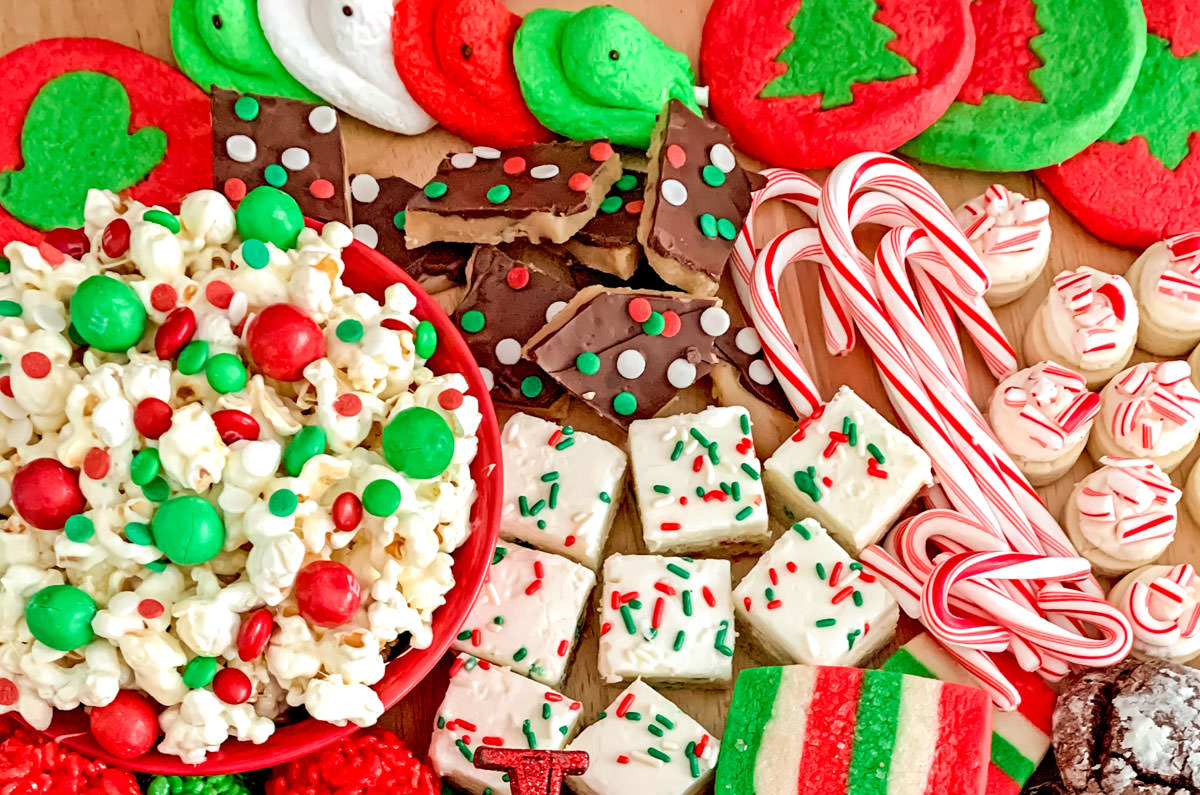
[76, 136]
[838, 43]
[1165, 105]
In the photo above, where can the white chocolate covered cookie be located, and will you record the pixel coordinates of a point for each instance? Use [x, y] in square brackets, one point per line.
[1152, 411]
[1011, 235]
[1166, 282]
[1163, 605]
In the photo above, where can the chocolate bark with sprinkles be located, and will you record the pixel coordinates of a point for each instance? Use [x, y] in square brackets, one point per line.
[609, 241]
[288, 144]
[696, 200]
[742, 348]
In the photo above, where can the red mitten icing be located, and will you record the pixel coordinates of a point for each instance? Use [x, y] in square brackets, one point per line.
[455, 58]
[33, 765]
[868, 76]
[159, 97]
[533, 772]
[373, 762]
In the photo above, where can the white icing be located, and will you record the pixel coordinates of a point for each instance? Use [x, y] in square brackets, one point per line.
[1040, 411]
[1151, 409]
[1127, 509]
[1010, 233]
[1089, 318]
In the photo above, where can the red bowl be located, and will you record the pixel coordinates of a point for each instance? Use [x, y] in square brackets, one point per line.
[368, 272]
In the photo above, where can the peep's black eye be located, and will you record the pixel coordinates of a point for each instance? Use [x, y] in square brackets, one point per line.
[217, 23]
[614, 55]
[347, 11]
[465, 50]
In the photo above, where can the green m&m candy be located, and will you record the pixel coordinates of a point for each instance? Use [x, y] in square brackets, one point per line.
[188, 530]
[107, 313]
[60, 616]
[309, 443]
[419, 443]
[199, 672]
[270, 215]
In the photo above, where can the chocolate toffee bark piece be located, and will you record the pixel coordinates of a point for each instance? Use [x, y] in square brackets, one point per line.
[292, 145]
[609, 241]
[697, 197]
[378, 206]
[742, 377]
[543, 192]
[628, 353]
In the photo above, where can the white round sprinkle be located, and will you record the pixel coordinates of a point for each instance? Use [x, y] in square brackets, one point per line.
[488, 379]
[508, 351]
[294, 158]
[673, 192]
[462, 160]
[681, 373]
[486, 153]
[722, 158]
[366, 234]
[323, 119]
[554, 309]
[546, 171]
[747, 341]
[714, 321]
[241, 148]
[760, 372]
[631, 364]
[364, 188]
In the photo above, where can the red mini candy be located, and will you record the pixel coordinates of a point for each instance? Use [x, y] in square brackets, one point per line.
[283, 340]
[234, 426]
[152, 417]
[373, 762]
[254, 634]
[36, 364]
[46, 493]
[72, 242]
[232, 686]
[327, 593]
[219, 294]
[31, 764]
[450, 399]
[347, 511]
[175, 332]
[126, 728]
[114, 241]
[96, 463]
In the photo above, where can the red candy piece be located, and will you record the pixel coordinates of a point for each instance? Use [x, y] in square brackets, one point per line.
[514, 165]
[395, 324]
[580, 181]
[533, 772]
[283, 340]
[232, 686]
[219, 294]
[254, 634]
[671, 323]
[600, 151]
[46, 493]
[235, 189]
[639, 310]
[348, 405]
[35, 365]
[163, 297]
[114, 241]
[234, 426]
[8, 692]
[6, 386]
[96, 463]
[175, 332]
[450, 399]
[72, 242]
[31, 764]
[126, 728]
[373, 762]
[518, 277]
[150, 609]
[152, 417]
[347, 511]
[327, 593]
[322, 189]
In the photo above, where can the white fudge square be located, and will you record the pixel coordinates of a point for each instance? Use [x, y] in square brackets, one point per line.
[667, 620]
[698, 481]
[488, 704]
[848, 468]
[528, 613]
[561, 488]
[644, 743]
[807, 601]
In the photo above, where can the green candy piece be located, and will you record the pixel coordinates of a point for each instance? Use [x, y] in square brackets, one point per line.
[399, 220]
[426, 339]
[498, 194]
[199, 672]
[192, 357]
[108, 314]
[163, 219]
[708, 225]
[145, 466]
[436, 190]
[419, 443]
[611, 204]
[713, 176]
[625, 403]
[197, 785]
[381, 497]
[655, 324]
[157, 490]
[598, 73]
[188, 530]
[77, 136]
[221, 43]
[473, 321]
[5, 265]
[157, 566]
[588, 363]
[270, 215]
[225, 373]
[726, 229]
[349, 330]
[246, 108]
[283, 502]
[256, 254]
[60, 616]
[626, 182]
[10, 309]
[309, 443]
[139, 533]
[275, 175]
[532, 386]
[79, 528]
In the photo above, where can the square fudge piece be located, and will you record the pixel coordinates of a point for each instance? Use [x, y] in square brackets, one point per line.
[561, 488]
[528, 613]
[807, 601]
[667, 620]
[487, 704]
[644, 743]
[698, 481]
[848, 468]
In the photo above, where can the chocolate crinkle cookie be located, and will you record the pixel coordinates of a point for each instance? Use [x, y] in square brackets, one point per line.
[1133, 729]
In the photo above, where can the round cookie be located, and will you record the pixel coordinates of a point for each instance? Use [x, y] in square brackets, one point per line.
[79, 112]
[598, 73]
[221, 43]
[1168, 295]
[808, 88]
[455, 57]
[1140, 182]
[1163, 605]
[1050, 76]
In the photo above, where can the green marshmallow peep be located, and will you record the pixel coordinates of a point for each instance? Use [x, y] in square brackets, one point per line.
[598, 73]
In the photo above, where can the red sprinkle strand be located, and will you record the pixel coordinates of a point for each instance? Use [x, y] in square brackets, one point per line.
[625, 704]
[709, 599]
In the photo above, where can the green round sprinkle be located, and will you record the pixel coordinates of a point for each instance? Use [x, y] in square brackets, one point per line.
[655, 324]
[611, 204]
[400, 219]
[309, 443]
[626, 182]
[275, 175]
[726, 229]
[79, 528]
[246, 108]
[426, 339]
[225, 373]
[436, 190]
[283, 502]
[349, 330]
[708, 225]
[157, 490]
[256, 254]
[157, 566]
[381, 497]
[139, 533]
[713, 176]
[145, 466]
[163, 219]
[531, 386]
[498, 194]
[588, 363]
[625, 403]
[199, 672]
[10, 309]
[473, 321]
[192, 357]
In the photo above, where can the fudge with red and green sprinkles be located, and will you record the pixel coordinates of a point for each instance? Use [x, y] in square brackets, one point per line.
[699, 482]
[807, 601]
[643, 742]
[489, 705]
[561, 488]
[529, 613]
[667, 620]
[848, 468]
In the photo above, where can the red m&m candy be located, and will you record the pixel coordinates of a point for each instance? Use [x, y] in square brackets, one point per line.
[115, 239]
[126, 728]
[234, 426]
[175, 332]
[254, 634]
[46, 493]
[72, 242]
[347, 511]
[152, 417]
[283, 340]
[327, 593]
[232, 686]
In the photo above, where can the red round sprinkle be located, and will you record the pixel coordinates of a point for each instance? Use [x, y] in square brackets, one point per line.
[8, 692]
[150, 608]
[395, 324]
[254, 634]
[579, 181]
[175, 332]
[219, 294]
[514, 165]
[6, 387]
[348, 405]
[450, 399]
[152, 417]
[232, 686]
[235, 189]
[96, 463]
[676, 156]
[601, 151]
[72, 242]
[163, 297]
[321, 189]
[671, 323]
[635, 207]
[347, 511]
[115, 240]
[639, 309]
[518, 277]
[35, 364]
[234, 426]
[52, 255]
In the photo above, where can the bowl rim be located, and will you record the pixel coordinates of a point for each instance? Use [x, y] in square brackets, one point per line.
[366, 271]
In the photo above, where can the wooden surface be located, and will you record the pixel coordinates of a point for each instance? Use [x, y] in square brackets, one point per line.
[143, 24]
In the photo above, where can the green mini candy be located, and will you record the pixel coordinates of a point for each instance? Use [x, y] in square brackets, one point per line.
[625, 403]
[419, 443]
[157, 490]
[139, 533]
[163, 219]
[426, 339]
[256, 254]
[655, 324]
[145, 466]
[107, 313]
[283, 502]
[270, 215]
[350, 330]
[473, 321]
[10, 309]
[197, 785]
[79, 528]
[275, 175]
[588, 363]
[193, 357]
[199, 672]
[436, 190]
[400, 219]
[60, 616]
[246, 108]
[381, 497]
[532, 386]
[225, 373]
[498, 194]
[310, 442]
[188, 530]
